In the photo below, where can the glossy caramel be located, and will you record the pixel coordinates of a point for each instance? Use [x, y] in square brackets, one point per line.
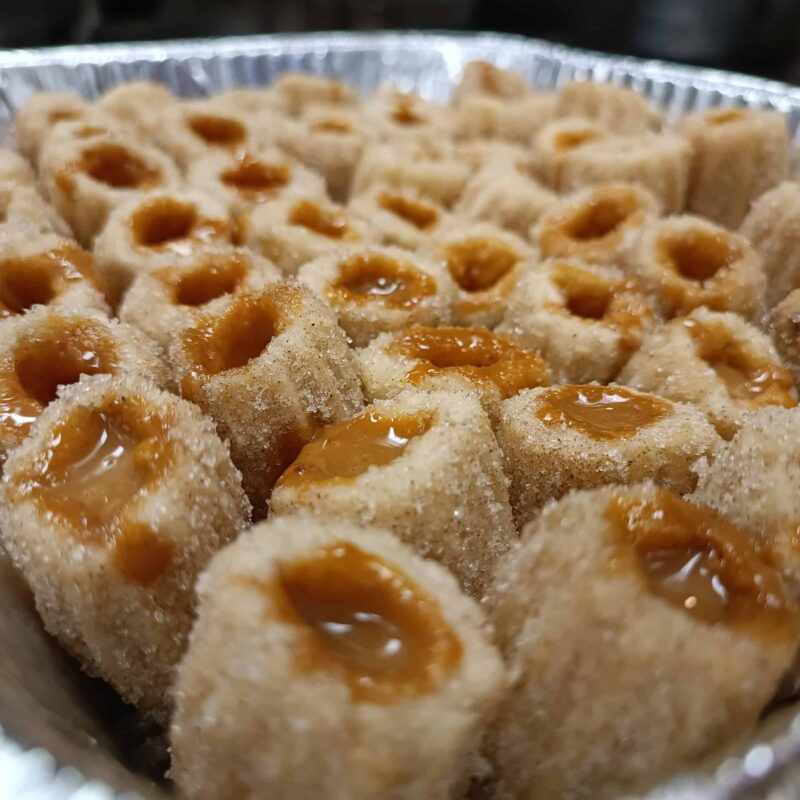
[340, 453]
[327, 222]
[571, 139]
[376, 277]
[421, 215]
[212, 277]
[477, 354]
[257, 180]
[174, 226]
[601, 412]
[479, 263]
[217, 130]
[696, 561]
[118, 166]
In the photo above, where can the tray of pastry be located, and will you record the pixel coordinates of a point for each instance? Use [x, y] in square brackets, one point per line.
[396, 416]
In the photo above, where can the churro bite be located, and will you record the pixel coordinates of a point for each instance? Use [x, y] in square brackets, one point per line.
[270, 367]
[423, 464]
[718, 362]
[738, 154]
[49, 270]
[485, 79]
[111, 508]
[686, 262]
[658, 163]
[153, 230]
[23, 212]
[137, 103]
[558, 140]
[252, 100]
[400, 217]
[484, 117]
[14, 168]
[586, 320]
[377, 289]
[773, 229]
[494, 365]
[337, 646]
[300, 228]
[622, 111]
[87, 177]
[163, 302]
[641, 632]
[486, 263]
[581, 436]
[598, 225]
[40, 113]
[297, 91]
[395, 117]
[784, 326]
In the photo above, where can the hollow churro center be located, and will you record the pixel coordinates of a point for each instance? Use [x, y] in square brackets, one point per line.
[116, 166]
[420, 215]
[474, 353]
[600, 218]
[212, 278]
[368, 622]
[724, 116]
[366, 277]
[698, 254]
[585, 294]
[328, 222]
[217, 130]
[168, 224]
[257, 180]
[601, 412]
[342, 452]
[698, 562]
[478, 263]
[40, 278]
[571, 139]
[747, 376]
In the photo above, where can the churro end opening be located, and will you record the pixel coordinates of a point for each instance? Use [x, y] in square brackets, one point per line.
[116, 166]
[213, 278]
[331, 223]
[478, 263]
[698, 255]
[218, 130]
[420, 215]
[163, 221]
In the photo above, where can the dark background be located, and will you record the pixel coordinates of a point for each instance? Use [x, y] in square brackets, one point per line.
[758, 36]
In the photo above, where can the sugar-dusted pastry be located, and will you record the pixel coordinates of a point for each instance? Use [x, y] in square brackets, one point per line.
[718, 362]
[784, 326]
[300, 228]
[49, 270]
[40, 112]
[269, 367]
[642, 633]
[494, 365]
[738, 154]
[484, 79]
[621, 110]
[94, 514]
[483, 117]
[334, 646]
[581, 436]
[14, 168]
[486, 264]
[586, 320]
[137, 103]
[163, 302]
[376, 289]
[48, 348]
[156, 228]
[24, 212]
[297, 90]
[558, 140]
[87, 177]
[393, 116]
[599, 224]
[423, 464]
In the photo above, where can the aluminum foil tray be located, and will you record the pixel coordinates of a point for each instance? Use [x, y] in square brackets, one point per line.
[66, 737]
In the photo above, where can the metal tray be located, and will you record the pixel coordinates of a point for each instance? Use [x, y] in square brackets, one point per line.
[66, 737]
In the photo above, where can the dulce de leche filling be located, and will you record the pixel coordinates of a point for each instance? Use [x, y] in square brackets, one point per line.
[111, 164]
[96, 464]
[257, 180]
[218, 131]
[474, 353]
[479, 263]
[175, 226]
[601, 412]
[747, 376]
[698, 562]
[213, 277]
[341, 452]
[366, 277]
[365, 621]
[328, 222]
[421, 215]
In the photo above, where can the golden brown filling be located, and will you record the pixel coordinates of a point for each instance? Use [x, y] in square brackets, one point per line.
[598, 219]
[40, 278]
[218, 131]
[367, 622]
[569, 140]
[366, 277]
[167, 224]
[421, 216]
[747, 377]
[331, 126]
[404, 112]
[328, 222]
[257, 180]
[475, 353]
[601, 412]
[697, 255]
[479, 263]
[117, 166]
[698, 562]
[212, 278]
[341, 452]
[724, 116]
[96, 464]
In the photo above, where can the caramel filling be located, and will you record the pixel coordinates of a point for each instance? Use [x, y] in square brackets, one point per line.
[40, 278]
[340, 453]
[212, 278]
[218, 131]
[167, 224]
[257, 180]
[404, 112]
[697, 255]
[601, 412]
[698, 562]
[475, 353]
[330, 223]
[747, 377]
[115, 165]
[479, 263]
[368, 277]
[598, 219]
[366, 622]
[97, 463]
[336, 126]
[724, 116]
[421, 216]
[570, 140]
